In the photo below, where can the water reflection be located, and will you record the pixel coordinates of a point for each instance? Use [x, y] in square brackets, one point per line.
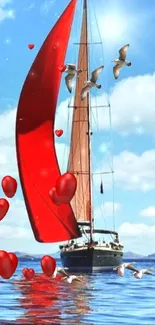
[51, 301]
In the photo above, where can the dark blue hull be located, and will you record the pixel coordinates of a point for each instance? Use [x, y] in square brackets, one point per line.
[91, 259]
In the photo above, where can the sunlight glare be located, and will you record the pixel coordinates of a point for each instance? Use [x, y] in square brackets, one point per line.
[113, 27]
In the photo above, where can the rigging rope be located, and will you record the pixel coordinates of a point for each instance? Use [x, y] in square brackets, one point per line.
[74, 52]
[111, 139]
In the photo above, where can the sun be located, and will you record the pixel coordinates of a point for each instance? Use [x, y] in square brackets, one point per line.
[113, 27]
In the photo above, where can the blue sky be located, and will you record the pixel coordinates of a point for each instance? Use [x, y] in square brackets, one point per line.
[132, 99]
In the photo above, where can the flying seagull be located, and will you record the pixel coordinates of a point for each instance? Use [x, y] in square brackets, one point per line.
[120, 62]
[70, 278]
[71, 72]
[60, 270]
[121, 269]
[91, 83]
[139, 273]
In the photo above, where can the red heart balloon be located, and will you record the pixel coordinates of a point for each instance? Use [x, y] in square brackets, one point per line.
[59, 132]
[14, 260]
[30, 46]
[48, 265]
[28, 273]
[9, 186]
[7, 267]
[54, 196]
[66, 187]
[62, 68]
[4, 207]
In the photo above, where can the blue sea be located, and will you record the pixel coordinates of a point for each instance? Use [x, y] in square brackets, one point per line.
[105, 299]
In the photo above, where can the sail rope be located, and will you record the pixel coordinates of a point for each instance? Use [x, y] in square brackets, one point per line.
[97, 124]
[74, 58]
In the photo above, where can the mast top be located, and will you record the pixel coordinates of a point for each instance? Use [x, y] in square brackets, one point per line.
[85, 4]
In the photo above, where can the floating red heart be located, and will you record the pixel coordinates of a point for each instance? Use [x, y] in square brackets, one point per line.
[62, 68]
[66, 187]
[9, 185]
[54, 196]
[30, 46]
[8, 264]
[14, 260]
[59, 132]
[48, 265]
[4, 207]
[28, 273]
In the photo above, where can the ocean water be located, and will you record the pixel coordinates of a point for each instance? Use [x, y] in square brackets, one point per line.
[105, 299]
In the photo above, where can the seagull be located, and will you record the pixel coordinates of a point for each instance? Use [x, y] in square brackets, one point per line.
[70, 278]
[60, 270]
[121, 269]
[120, 62]
[91, 83]
[138, 274]
[72, 71]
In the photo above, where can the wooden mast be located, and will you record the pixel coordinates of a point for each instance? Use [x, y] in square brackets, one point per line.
[80, 153]
[89, 125]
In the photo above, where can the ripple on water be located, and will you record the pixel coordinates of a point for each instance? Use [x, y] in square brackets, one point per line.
[105, 299]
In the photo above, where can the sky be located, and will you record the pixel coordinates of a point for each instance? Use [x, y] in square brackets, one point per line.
[132, 99]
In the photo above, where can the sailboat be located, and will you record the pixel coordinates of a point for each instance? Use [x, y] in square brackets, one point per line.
[37, 160]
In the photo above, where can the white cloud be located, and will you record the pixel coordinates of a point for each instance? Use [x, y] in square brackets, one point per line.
[106, 209]
[133, 230]
[148, 212]
[8, 164]
[16, 226]
[138, 238]
[104, 217]
[132, 171]
[132, 103]
[6, 13]
[16, 233]
[130, 114]
[4, 2]
[17, 214]
[8, 232]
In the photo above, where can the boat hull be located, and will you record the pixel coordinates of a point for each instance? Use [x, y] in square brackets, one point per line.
[91, 260]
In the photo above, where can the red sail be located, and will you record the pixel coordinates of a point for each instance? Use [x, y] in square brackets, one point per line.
[36, 155]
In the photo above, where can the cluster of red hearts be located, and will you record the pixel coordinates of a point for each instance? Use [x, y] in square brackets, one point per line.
[64, 189]
[9, 186]
[9, 263]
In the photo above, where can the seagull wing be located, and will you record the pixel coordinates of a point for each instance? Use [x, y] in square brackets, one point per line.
[130, 267]
[62, 271]
[78, 279]
[71, 66]
[62, 268]
[95, 74]
[68, 80]
[116, 70]
[84, 91]
[123, 52]
[147, 271]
